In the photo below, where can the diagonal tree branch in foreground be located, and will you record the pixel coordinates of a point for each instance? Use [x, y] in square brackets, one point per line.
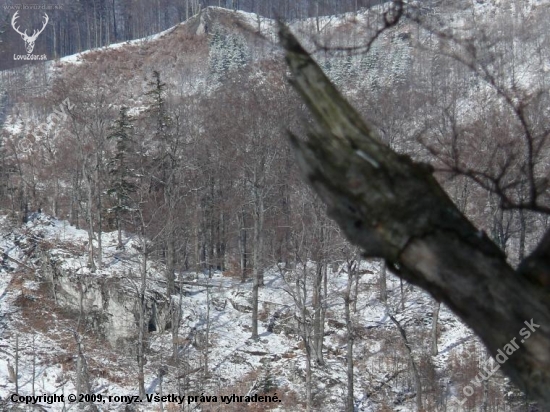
[394, 208]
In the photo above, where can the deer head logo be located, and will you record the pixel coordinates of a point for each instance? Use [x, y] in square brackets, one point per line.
[29, 40]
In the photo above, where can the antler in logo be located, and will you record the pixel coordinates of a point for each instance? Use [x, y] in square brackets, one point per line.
[29, 40]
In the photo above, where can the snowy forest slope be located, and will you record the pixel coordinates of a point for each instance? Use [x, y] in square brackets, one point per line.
[168, 156]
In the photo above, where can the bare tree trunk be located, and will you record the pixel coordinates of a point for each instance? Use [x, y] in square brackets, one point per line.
[74, 207]
[221, 242]
[257, 255]
[416, 374]
[318, 335]
[54, 42]
[356, 289]
[99, 215]
[16, 364]
[142, 323]
[11, 374]
[522, 233]
[350, 400]
[317, 16]
[79, 379]
[33, 363]
[159, 23]
[89, 211]
[383, 282]
[485, 401]
[434, 327]
[207, 334]
[255, 292]
[325, 295]
[402, 290]
[176, 324]
[55, 199]
[120, 246]
[301, 296]
[115, 35]
[160, 378]
[82, 372]
[309, 394]
[373, 193]
[259, 236]
[197, 237]
[242, 245]
[170, 262]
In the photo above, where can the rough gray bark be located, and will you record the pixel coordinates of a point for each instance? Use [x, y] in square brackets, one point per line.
[258, 280]
[318, 315]
[435, 319]
[394, 208]
[383, 283]
[350, 336]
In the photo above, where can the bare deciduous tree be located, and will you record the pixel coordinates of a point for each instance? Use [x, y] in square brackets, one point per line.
[394, 208]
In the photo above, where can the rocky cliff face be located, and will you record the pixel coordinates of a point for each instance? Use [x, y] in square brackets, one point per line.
[110, 304]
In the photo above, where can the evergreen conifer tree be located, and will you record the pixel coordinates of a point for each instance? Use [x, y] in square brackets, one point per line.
[228, 52]
[120, 171]
[165, 166]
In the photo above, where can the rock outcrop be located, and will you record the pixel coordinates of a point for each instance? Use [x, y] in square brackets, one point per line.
[111, 304]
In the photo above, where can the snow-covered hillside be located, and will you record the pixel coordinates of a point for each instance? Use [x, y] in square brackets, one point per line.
[44, 333]
[70, 311]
